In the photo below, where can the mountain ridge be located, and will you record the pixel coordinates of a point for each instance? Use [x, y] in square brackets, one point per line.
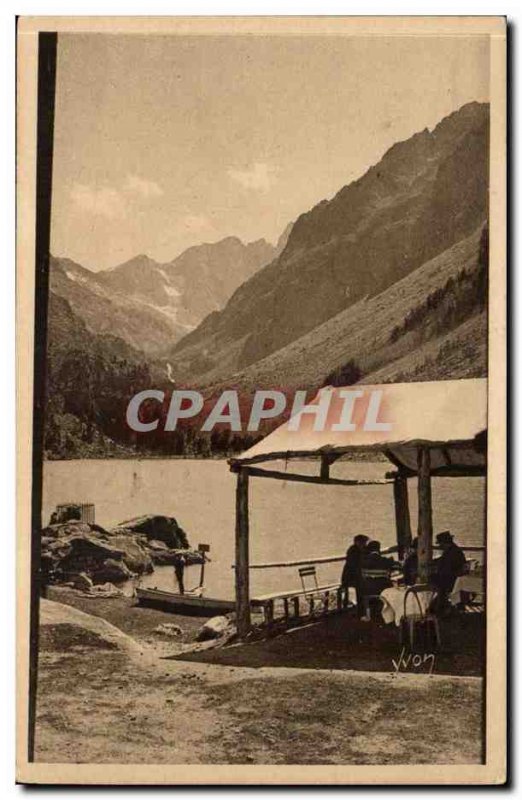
[425, 194]
[372, 333]
[151, 304]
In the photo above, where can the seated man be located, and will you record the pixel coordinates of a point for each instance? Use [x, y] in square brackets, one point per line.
[449, 566]
[376, 570]
[352, 568]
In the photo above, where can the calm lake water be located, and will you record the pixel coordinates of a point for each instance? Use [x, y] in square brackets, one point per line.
[288, 521]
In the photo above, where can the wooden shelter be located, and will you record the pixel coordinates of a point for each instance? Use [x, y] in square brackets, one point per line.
[424, 429]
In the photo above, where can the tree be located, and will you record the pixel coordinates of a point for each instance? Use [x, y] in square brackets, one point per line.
[346, 375]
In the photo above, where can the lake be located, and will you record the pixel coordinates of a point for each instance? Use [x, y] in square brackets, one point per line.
[288, 520]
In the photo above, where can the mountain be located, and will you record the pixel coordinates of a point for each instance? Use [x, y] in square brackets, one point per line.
[150, 305]
[206, 275]
[142, 278]
[283, 239]
[90, 378]
[430, 325]
[425, 195]
[66, 332]
[141, 325]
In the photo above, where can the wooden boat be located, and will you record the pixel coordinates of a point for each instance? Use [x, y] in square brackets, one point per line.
[189, 604]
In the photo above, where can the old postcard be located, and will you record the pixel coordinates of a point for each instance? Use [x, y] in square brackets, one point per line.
[261, 400]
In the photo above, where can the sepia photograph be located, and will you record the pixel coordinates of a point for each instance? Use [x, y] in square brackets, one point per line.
[261, 444]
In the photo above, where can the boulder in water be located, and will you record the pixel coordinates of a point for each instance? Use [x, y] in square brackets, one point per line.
[76, 552]
[155, 544]
[135, 555]
[112, 570]
[165, 556]
[70, 528]
[76, 547]
[159, 528]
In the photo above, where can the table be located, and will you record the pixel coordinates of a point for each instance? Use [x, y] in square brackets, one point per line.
[393, 603]
[472, 584]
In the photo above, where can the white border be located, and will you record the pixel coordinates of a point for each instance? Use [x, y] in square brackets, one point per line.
[195, 7]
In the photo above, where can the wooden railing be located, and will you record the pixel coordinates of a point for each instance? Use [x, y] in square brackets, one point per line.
[317, 560]
[331, 559]
[322, 595]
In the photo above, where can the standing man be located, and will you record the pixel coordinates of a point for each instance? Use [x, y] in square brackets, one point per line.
[352, 575]
[179, 569]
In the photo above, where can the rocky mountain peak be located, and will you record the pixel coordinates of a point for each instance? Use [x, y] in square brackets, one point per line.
[424, 195]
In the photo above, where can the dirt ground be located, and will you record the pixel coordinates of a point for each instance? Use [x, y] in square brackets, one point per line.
[337, 642]
[137, 621]
[342, 642]
[101, 702]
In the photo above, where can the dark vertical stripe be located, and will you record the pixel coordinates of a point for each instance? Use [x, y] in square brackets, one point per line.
[44, 171]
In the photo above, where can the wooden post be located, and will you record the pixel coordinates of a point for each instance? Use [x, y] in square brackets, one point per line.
[425, 529]
[242, 566]
[325, 468]
[326, 602]
[402, 513]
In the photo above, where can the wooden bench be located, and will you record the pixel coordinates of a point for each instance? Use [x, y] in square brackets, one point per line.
[322, 594]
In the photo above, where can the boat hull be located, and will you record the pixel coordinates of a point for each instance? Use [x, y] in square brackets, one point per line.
[190, 605]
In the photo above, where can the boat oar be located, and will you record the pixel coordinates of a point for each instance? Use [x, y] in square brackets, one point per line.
[203, 549]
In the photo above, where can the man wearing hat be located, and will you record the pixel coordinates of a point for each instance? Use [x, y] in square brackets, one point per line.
[450, 565]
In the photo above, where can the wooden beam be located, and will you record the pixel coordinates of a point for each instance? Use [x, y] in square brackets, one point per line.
[460, 471]
[256, 472]
[402, 513]
[471, 548]
[332, 559]
[425, 526]
[446, 471]
[242, 555]
[327, 459]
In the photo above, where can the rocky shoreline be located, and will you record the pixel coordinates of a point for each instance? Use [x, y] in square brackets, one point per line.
[86, 554]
